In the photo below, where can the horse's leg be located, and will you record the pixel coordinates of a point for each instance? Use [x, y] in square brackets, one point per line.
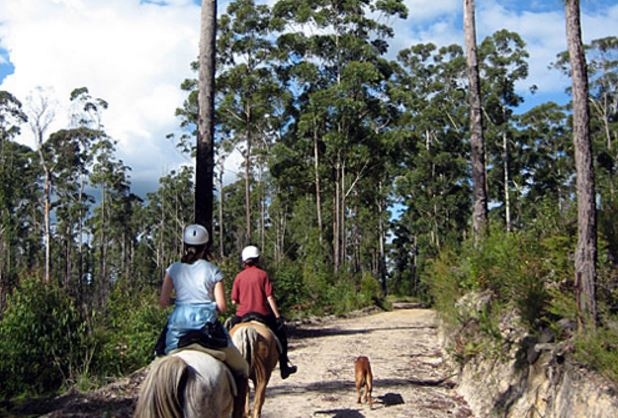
[258, 402]
[248, 401]
[260, 393]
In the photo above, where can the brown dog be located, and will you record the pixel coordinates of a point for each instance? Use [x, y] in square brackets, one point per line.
[363, 377]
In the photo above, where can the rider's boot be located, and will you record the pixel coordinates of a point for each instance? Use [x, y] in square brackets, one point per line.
[284, 367]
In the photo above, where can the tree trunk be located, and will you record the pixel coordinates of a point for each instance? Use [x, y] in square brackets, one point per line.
[586, 251]
[479, 213]
[205, 158]
[40, 117]
[220, 184]
[316, 166]
[507, 194]
[336, 214]
[46, 217]
[248, 231]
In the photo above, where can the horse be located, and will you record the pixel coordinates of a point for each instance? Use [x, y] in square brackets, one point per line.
[189, 383]
[260, 348]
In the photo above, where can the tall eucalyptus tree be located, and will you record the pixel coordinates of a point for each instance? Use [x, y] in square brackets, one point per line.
[477, 142]
[14, 158]
[249, 95]
[335, 60]
[41, 114]
[503, 63]
[70, 150]
[432, 181]
[542, 135]
[205, 157]
[109, 176]
[586, 251]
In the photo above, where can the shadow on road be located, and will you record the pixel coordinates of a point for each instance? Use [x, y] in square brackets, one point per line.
[340, 413]
[302, 333]
[390, 399]
[378, 385]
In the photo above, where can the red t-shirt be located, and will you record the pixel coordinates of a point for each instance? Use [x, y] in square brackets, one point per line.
[250, 289]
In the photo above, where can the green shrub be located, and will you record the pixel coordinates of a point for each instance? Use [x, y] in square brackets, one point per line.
[370, 290]
[598, 349]
[43, 339]
[127, 333]
[444, 276]
[289, 287]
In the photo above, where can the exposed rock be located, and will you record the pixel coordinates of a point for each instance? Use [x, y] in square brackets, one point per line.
[531, 377]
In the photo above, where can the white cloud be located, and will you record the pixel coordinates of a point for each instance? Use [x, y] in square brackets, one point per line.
[421, 11]
[132, 55]
[541, 24]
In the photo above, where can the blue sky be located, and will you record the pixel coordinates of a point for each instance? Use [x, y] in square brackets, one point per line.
[134, 54]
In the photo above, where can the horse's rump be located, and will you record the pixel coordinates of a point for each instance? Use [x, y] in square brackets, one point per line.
[188, 383]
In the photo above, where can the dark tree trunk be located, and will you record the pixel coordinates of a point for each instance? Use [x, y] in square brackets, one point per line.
[479, 213]
[205, 159]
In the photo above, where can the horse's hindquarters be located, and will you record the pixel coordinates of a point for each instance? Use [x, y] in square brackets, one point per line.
[192, 381]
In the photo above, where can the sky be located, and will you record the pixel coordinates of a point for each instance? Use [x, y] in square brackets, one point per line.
[135, 54]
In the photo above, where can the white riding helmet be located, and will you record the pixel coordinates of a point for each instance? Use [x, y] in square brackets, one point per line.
[249, 252]
[195, 235]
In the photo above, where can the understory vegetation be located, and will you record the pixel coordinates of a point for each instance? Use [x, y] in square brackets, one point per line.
[525, 279]
[49, 343]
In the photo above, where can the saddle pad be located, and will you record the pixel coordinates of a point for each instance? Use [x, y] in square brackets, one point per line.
[219, 355]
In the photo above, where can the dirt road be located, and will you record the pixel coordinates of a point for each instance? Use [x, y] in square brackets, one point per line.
[411, 377]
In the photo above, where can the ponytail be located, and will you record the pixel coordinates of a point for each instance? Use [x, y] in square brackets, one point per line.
[192, 253]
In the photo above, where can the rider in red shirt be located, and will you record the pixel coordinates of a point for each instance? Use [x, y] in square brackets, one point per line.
[252, 292]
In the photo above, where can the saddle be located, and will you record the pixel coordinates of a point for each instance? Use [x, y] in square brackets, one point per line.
[211, 335]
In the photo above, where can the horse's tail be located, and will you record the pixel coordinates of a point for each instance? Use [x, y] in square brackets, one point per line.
[243, 339]
[161, 395]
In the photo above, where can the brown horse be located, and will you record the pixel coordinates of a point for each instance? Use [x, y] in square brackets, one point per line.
[188, 383]
[258, 345]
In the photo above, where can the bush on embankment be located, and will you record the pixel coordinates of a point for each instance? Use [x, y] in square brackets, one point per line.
[528, 276]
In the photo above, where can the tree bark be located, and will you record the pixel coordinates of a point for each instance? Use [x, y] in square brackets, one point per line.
[205, 158]
[477, 143]
[586, 251]
[318, 189]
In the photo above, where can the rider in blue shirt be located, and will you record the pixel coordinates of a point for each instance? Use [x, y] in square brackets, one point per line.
[200, 297]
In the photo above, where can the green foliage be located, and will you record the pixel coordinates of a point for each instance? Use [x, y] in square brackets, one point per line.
[599, 350]
[370, 290]
[127, 333]
[444, 278]
[289, 286]
[43, 339]
[520, 269]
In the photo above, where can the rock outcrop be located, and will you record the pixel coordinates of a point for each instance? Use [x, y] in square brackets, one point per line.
[524, 376]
